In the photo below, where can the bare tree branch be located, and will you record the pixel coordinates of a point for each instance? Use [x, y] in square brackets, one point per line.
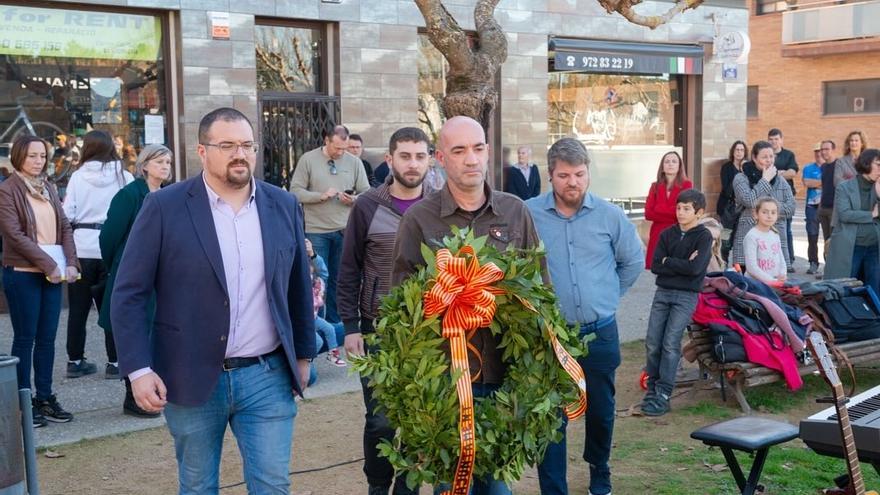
[445, 33]
[625, 8]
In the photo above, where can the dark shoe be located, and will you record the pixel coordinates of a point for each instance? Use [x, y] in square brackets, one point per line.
[658, 407]
[111, 372]
[130, 408]
[82, 369]
[814, 267]
[52, 410]
[39, 419]
[791, 269]
[377, 490]
[650, 396]
[600, 480]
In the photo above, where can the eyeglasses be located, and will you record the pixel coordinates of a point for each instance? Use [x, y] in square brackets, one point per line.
[333, 170]
[249, 148]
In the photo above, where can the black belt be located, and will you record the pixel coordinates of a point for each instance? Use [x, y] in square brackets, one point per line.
[91, 226]
[232, 363]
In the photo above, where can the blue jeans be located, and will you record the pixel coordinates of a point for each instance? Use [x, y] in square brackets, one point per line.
[865, 266]
[670, 313]
[790, 240]
[321, 343]
[258, 403]
[482, 486]
[329, 247]
[326, 331]
[599, 367]
[34, 309]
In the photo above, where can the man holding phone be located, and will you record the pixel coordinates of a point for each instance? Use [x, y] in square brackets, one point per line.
[327, 181]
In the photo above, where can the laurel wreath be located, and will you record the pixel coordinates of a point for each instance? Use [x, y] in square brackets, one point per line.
[408, 371]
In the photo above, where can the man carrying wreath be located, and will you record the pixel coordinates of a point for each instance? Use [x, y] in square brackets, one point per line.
[466, 201]
[591, 247]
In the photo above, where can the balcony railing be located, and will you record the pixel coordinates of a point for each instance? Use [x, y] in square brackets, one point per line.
[830, 21]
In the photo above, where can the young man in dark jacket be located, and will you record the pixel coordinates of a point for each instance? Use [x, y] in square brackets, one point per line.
[365, 276]
[680, 261]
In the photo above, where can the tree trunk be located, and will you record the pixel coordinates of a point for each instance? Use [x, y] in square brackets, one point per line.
[473, 62]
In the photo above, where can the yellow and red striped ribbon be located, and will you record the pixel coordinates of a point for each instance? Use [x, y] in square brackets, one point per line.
[464, 292]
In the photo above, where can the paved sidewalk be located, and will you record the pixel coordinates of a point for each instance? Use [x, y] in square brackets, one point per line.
[97, 402]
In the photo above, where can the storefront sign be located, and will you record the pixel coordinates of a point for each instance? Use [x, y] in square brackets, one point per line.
[154, 129]
[733, 47]
[626, 63]
[39, 32]
[219, 25]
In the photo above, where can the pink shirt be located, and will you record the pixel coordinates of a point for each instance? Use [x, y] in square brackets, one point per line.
[251, 330]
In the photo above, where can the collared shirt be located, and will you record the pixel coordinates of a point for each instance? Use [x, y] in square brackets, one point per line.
[251, 330]
[504, 219]
[589, 253]
[525, 169]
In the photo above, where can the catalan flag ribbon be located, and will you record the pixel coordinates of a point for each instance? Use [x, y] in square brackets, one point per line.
[464, 292]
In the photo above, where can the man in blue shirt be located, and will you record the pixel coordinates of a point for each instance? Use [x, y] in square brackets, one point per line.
[591, 246]
[813, 183]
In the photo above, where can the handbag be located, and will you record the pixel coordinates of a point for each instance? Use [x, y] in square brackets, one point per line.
[729, 215]
[727, 345]
[853, 314]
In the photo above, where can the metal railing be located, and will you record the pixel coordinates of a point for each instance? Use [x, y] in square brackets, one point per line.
[291, 125]
[830, 21]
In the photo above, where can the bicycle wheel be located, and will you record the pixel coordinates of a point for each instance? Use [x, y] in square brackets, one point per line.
[43, 130]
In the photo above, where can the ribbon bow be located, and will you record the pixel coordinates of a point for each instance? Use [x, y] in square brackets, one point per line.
[464, 291]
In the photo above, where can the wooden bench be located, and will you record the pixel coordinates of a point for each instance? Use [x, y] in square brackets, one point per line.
[743, 375]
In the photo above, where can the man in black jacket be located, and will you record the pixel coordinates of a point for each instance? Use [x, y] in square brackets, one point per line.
[522, 178]
[365, 276]
[788, 168]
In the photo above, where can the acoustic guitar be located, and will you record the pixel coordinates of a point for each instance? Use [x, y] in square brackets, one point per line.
[856, 484]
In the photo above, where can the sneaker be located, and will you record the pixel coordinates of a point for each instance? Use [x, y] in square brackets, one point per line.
[600, 480]
[814, 267]
[130, 408]
[38, 419]
[650, 396]
[111, 372]
[334, 357]
[791, 269]
[83, 368]
[658, 407]
[52, 410]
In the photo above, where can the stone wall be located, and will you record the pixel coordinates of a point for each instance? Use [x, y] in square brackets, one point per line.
[378, 63]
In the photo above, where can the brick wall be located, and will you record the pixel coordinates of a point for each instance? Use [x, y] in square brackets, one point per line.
[790, 92]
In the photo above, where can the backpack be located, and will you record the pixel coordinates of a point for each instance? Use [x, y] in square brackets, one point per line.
[854, 313]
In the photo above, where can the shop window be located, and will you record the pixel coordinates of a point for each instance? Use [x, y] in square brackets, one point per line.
[771, 6]
[627, 123]
[289, 58]
[64, 72]
[752, 102]
[852, 97]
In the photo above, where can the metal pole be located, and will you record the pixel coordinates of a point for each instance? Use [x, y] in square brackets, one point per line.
[27, 434]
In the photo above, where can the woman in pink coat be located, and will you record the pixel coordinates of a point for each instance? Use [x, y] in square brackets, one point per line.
[660, 206]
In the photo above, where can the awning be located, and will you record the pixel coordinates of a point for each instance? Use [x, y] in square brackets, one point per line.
[621, 57]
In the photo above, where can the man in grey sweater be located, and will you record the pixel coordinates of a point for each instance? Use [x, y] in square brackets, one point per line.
[327, 181]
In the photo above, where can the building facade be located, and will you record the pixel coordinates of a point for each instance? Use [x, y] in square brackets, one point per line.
[817, 76]
[148, 70]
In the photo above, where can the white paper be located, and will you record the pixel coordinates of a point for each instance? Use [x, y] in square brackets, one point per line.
[154, 129]
[56, 251]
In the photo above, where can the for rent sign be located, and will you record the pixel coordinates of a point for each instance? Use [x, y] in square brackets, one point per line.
[39, 32]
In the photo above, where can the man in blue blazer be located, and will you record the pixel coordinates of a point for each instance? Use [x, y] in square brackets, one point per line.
[233, 334]
[522, 178]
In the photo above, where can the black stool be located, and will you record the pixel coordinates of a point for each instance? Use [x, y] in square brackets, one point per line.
[749, 434]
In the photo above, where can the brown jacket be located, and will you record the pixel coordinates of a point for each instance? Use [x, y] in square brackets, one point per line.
[18, 227]
[507, 222]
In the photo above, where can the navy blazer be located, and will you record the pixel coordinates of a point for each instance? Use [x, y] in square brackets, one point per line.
[515, 182]
[173, 249]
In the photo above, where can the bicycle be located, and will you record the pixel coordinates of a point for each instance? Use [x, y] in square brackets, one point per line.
[45, 130]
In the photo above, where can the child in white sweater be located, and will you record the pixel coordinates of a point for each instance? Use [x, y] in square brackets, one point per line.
[762, 246]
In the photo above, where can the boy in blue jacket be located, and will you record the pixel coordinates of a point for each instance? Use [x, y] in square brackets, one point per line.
[680, 262]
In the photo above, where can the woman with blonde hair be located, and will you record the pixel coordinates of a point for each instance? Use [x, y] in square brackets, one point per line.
[34, 226]
[853, 146]
[152, 170]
